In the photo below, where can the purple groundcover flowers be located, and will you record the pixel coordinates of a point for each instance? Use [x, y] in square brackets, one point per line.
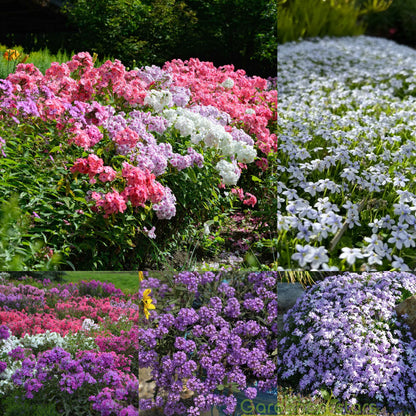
[214, 340]
[344, 336]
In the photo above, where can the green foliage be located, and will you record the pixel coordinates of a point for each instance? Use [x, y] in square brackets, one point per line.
[241, 32]
[136, 32]
[398, 22]
[41, 58]
[17, 407]
[33, 276]
[17, 251]
[319, 18]
[126, 281]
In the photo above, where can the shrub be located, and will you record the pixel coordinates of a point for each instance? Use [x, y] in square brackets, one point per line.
[136, 32]
[152, 32]
[318, 18]
[398, 22]
[102, 156]
[240, 32]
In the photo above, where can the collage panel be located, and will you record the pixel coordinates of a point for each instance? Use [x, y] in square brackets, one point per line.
[347, 153]
[346, 343]
[208, 343]
[346, 202]
[138, 135]
[69, 343]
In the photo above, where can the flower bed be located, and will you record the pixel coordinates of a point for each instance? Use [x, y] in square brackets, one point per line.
[127, 153]
[75, 345]
[344, 337]
[346, 194]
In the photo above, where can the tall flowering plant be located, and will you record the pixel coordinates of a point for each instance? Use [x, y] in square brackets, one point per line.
[128, 150]
[212, 334]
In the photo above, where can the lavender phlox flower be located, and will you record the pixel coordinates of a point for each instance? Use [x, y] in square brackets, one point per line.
[166, 208]
[4, 332]
[351, 254]
[360, 349]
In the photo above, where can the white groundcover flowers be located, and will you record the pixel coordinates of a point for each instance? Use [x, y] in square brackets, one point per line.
[347, 146]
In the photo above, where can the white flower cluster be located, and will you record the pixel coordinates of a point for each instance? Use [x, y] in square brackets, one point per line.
[228, 83]
[229, 171]
[89, 324]
[213, 135]
[346, 126]
[159, 100]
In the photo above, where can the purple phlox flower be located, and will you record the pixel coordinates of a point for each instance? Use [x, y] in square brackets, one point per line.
[17, 353]
[4, 332]
[232, 309]
[32, 385]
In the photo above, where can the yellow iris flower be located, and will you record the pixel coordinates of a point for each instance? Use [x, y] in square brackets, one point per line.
[147, 302]
[141, 276]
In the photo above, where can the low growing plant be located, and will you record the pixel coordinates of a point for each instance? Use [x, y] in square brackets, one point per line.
[344, 336]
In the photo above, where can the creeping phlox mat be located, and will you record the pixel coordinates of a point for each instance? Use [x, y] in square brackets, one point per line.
[344, 338]
[346, 166]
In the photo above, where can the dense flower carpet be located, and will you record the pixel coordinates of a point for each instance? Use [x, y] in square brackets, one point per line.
[346, 165]
[345, 338]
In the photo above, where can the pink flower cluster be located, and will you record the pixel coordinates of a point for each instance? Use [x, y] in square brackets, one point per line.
[106, 107]
[57, 310]
[246, 197]
[246, 99]
[126, 343]
[92, 166]
[78, 80]
[22, 323]
[94, 308]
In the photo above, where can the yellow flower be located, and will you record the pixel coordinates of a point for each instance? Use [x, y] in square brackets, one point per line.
[147, 302]
[11, 54]
[141, 276]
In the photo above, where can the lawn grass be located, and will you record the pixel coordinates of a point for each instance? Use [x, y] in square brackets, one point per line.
[128, 282]
[293, 403]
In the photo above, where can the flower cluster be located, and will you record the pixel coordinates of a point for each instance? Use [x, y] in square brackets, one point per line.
[222, 342]
[344, 336]
[63, 308]
[248, 101]
[90, 359]
[131, 128]
[346, 195]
